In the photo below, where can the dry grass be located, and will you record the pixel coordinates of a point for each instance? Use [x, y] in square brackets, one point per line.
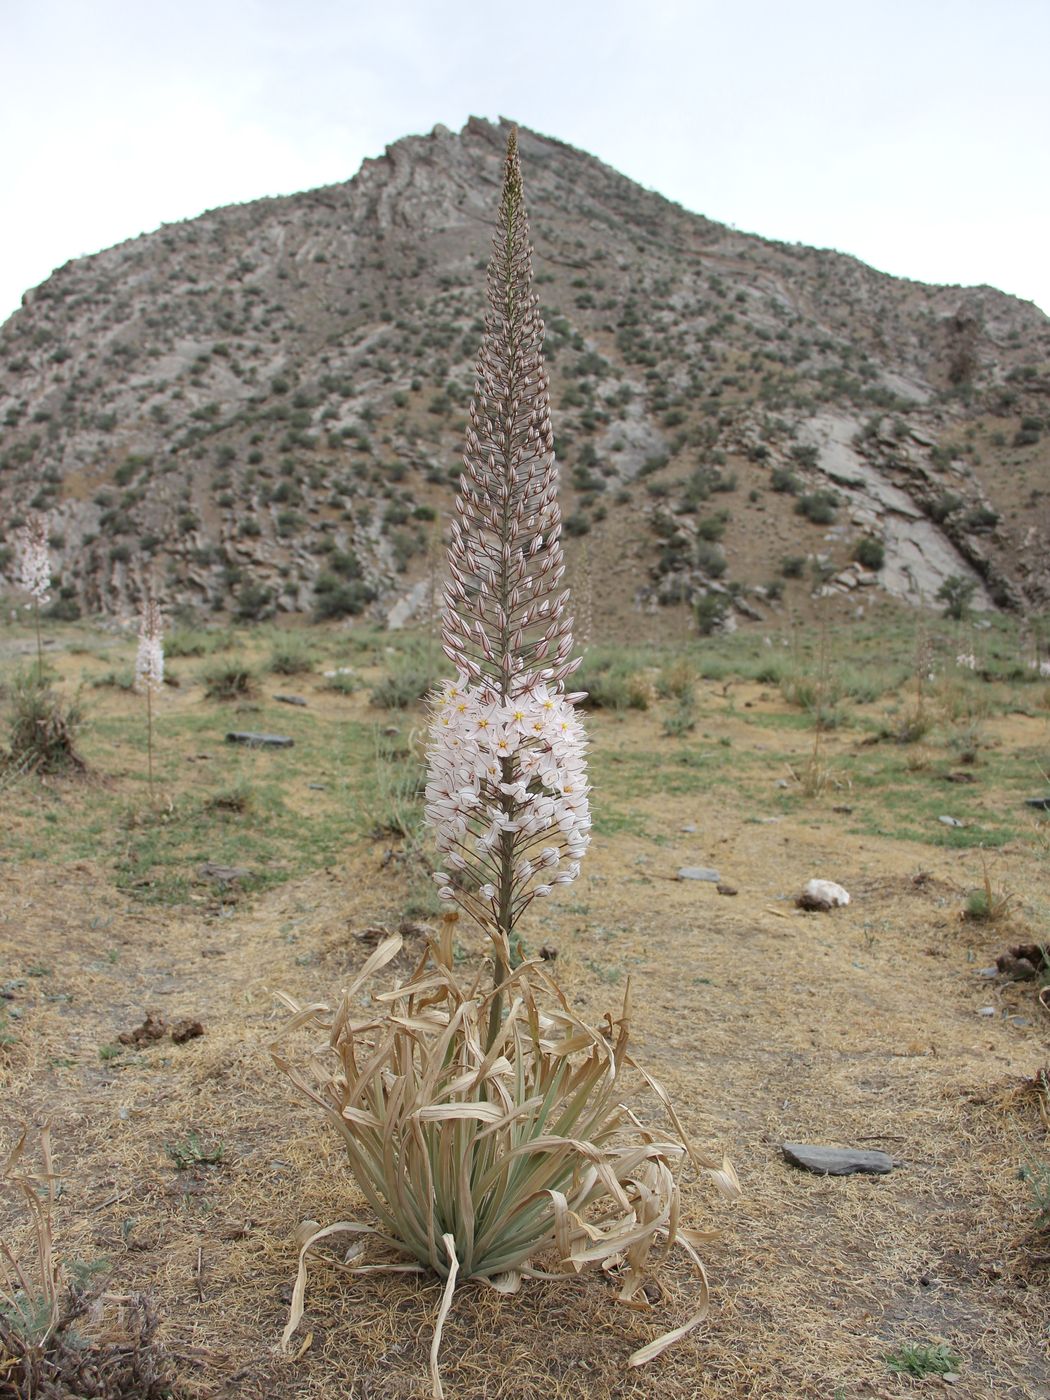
[763, 1024]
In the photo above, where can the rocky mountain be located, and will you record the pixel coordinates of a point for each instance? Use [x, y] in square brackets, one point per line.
[262, 408]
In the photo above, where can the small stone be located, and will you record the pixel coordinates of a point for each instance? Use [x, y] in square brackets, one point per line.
[959, 778]
[843, 810]
[318, 787]
[836, 1161]
[782, 783]
[727, 889]
[290, 700]
[988, 972]
[822, 895]
[1041, 804]
[260, 741]
[950, 821]
[986, 1011]
[1019, 1021]
[689, 827]
[699, 872]
[548, 953]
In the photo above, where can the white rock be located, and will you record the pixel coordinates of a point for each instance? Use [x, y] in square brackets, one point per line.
[822, 894]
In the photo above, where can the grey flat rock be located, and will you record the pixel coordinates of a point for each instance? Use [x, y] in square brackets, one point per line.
[950, 821]
[699, 872]
[290, 700]
[260, 741]
[836, 1161]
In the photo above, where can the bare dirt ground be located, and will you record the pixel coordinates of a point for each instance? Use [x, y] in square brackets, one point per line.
[856, 1027]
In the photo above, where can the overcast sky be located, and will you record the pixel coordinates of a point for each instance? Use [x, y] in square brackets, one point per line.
[914, 135]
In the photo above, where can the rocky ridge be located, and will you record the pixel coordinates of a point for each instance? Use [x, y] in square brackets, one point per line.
[262, 408]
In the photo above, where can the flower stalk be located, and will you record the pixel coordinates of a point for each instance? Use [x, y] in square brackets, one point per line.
[34, 574]
[507, 787]
[149, 669]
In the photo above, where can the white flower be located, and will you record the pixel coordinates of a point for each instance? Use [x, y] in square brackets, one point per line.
[481, 792]
[967, 659]
[34, 561]
[149, 660]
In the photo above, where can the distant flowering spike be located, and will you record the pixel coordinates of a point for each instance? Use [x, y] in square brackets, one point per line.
[507, 791]
[34, 560]
[149, 660]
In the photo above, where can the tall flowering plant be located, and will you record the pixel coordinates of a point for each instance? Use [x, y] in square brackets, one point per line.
[507, 792]
[34, 572]
[486, 1129]
[149, 667]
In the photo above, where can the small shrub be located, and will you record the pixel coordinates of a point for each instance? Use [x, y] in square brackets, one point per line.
[710, 559]
[785, 482]
[335, 598]
[923, 1359]
[681, 720]
[612, 683]
[44, 1296]
[956, 593]
[254, 602]
[944, 505]
[800, 688]
[43, 728]
[412, 677]
[291, 657]
[677, 682]
[870, 553]
[115, 680]
[711, 610]
[229, 680]
[191, 1152]
[236, 801]
[981, 519]
[712, 527]
[793, 565]
[343, 682]
[193, 641]
[818, 507]
[987, 904]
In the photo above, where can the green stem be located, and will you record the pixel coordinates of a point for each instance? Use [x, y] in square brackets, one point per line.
[149, 738]
[39, 643]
